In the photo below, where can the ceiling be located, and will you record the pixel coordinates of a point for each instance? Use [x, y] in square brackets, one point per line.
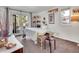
[33, 9]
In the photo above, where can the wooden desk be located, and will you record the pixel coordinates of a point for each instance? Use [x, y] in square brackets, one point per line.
[18, 51]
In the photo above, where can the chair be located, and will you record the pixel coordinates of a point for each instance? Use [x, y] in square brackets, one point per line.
[42, 41]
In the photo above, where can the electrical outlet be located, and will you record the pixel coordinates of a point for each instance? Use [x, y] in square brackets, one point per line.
[78, 44]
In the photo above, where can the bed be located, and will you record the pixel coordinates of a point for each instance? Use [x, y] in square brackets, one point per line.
[32, 33]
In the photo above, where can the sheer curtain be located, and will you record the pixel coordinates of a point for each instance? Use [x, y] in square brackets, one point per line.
[3, 19]
[11, 13]
[3, 22]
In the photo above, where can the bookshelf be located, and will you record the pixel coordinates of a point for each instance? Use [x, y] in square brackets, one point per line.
[36, 21]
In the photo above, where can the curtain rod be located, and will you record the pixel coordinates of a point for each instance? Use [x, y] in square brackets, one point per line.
[18, 10]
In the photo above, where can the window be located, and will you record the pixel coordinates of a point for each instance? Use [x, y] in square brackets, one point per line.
[65, 16]
[19, 21]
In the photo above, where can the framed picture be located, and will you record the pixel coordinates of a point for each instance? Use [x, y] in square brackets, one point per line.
[51, 18]
[65, 16]
[75, 15]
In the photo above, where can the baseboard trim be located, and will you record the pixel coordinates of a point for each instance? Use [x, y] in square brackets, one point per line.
[67, 40]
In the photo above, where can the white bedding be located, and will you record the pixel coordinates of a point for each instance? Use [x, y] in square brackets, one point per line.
[32, 33]
[37, 29]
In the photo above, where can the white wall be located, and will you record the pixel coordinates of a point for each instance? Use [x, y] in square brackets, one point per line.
[65, 31]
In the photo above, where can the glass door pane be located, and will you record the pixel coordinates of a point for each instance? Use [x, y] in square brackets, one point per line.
[19, 21]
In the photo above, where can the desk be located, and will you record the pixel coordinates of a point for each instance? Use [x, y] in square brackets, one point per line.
[17, 49]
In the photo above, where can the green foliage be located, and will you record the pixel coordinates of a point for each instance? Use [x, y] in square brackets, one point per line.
[21, 20]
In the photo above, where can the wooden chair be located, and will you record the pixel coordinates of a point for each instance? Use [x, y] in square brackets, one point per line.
[41, 41]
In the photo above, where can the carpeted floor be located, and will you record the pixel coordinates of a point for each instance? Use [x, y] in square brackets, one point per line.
[62, 46]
